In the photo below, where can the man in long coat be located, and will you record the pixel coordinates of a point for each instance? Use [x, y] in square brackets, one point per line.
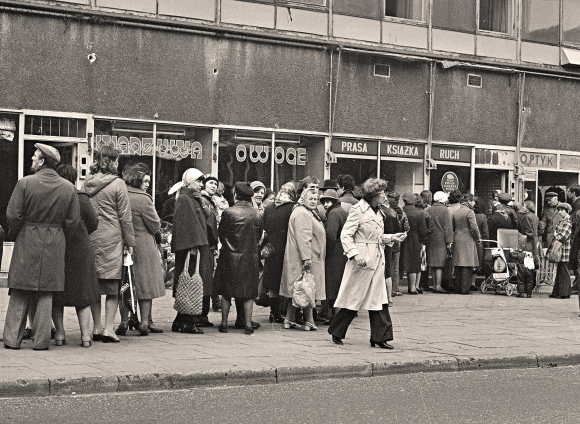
[43, 210]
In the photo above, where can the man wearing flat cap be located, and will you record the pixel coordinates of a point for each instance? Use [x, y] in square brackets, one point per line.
[42, 212]
[550, 217]
[505, 199]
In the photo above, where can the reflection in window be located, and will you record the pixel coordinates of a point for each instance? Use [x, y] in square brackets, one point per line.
[454, 14]
[292, 157]
[406, 9]
[362, 8]
[360, 169]
[540, 20]
[496, 15]
[9, 169]
[571, 21]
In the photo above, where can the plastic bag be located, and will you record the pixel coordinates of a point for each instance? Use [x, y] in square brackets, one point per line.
[127, 295]
[304, 292]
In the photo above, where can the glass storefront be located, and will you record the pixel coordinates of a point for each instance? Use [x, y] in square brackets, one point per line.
[402, 166]
[9, 155]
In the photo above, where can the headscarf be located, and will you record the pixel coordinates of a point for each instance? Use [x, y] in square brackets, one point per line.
[286, 194]
[189, 176]
[498, 207]
[303, 199]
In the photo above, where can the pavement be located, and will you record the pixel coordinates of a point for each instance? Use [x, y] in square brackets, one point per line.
[432, 333]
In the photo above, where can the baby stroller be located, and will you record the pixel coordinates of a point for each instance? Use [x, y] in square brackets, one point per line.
[504, 274]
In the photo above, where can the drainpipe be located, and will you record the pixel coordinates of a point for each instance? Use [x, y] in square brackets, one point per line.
[523, 115]
[428, 160]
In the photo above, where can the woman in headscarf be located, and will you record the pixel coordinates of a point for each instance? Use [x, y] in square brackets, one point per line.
[498, 219]
[276, 218]
[190, 234]
[259, 191]
[305, 250]
[465, 240]
[440, 240]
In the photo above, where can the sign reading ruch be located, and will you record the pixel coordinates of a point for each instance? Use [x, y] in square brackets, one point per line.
[451, 154]
[402, 150]
[570, 162]
[166, 149]
[355, 147]
[449, 182]
[538, 160]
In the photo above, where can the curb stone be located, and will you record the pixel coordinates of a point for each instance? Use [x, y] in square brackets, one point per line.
[556, 360]
[289, 374]
[83, 385]
[22, 388]
[498, 362]
[408, 367]
[144, 382]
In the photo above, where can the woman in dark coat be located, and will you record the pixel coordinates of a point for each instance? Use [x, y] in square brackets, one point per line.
[465, 239]
[424, 201]
[440, 240]
[410, 260]
[335, 258]
[238, 269]
[498, 219]
[81, 286]
[479, 209]
[190, 234]
[276, 218]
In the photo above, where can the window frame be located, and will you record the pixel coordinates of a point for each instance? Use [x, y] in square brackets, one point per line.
[426, 7]
[515, 21]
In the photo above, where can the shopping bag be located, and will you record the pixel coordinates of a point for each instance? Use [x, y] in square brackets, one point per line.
[304, 292]
[189, 292]
[423, 258]
[555, 251]
[127, 294]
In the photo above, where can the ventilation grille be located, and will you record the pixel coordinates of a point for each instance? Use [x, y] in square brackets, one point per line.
[382, 70]
[474, 81]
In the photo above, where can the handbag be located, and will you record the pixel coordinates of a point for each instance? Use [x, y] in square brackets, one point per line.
[127, 294]
[555, 251]
[423, 258]
[267, 251]
[189, 291]
[303, 295]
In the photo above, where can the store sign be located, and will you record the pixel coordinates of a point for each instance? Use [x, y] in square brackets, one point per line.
[451, 154]
[402, 150]
[495, 157]
[450, 182]
[7, 129]
[538, 160]
[166, 149]
[570, 162]
[355, 147]
[292, 156]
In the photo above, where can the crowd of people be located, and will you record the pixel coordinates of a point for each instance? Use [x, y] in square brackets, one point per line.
[354, 244]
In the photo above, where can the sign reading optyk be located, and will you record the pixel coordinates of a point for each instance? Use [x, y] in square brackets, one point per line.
[449, 182]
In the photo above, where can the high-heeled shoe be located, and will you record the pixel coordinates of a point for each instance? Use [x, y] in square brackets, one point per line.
[122, 329]
[110, 339]
[133, 323]
[290, 324]
[86, 341]
[278, 319]
[60, 342]
[308, 326]
[153, 329]
[97, 337]
[143, 329]
[382, 345]
[337, 340]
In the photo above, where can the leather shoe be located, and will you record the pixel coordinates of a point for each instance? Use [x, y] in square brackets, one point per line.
[413, 292]
[382, 345]
[337, 340]
[223, 328]
[191, 329]
[419, 290]
[521, 295]
[440, 291]
[398, 293]
[153, 329]
[248, 331]
[204, 324]
[10, 347]
[553, 296]
[242, 326]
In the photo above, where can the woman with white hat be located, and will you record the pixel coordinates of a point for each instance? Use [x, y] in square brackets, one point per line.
[440, 240]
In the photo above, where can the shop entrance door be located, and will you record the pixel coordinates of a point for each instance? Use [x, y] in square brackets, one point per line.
[68, 153]
[489, 180]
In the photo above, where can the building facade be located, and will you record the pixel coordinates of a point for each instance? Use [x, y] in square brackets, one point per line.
[273, 90]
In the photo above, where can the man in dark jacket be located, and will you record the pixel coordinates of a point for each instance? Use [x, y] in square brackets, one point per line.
[550, 217]
[392, 225]
[396, 274]
[505, 199]
[345, 188]
[574, 199]
[43, 210]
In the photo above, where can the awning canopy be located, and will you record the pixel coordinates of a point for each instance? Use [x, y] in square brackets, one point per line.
[570, 57]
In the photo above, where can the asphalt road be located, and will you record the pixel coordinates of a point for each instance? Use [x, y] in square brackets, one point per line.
[536, 395]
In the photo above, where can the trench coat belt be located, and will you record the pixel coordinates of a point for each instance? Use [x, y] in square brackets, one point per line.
[367, 241]
[42, 224]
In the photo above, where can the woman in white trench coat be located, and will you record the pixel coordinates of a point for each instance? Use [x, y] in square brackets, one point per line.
[363, 283]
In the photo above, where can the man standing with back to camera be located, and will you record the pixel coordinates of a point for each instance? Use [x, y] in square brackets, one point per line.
[43, 210]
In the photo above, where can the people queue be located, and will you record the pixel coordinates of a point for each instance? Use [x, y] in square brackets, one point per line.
[351, 245]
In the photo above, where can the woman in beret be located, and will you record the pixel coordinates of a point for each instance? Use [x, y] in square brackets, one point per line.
[562, 234]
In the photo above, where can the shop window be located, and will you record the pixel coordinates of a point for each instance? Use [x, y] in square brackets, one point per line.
[294, 159]
[540, 20]
[9, 157]
[571, 21]
[496, 16]
[454, 14]
[55, 126]
[407, 9]
[362, 8]
[303, 2]
[360, 169]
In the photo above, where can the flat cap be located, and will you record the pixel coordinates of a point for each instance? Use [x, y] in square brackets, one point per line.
[563, 205]
[393, 195]
[329, 184]
[504, 198]
[409, 198]
[49, 151]
[551, 194]
[244, 188]
[329, 194]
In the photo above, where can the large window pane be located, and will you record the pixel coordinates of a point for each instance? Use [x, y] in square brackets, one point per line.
[496, 15]
[572, 21]
[294, 158]
[406, 9]
[540, 20]
[362, 8]
[9, 158]
[454, 14]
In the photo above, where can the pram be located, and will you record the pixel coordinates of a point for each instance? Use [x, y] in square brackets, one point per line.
[504, 274]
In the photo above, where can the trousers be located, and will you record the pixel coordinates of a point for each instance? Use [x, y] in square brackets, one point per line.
[562, 285]
[526, 279]
[381, 325]
[462, 279]
[395, 270]
[23, 302]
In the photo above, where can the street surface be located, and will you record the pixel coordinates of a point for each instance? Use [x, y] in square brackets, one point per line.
[541, 395]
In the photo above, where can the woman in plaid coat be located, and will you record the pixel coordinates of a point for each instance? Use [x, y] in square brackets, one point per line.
[562, 234]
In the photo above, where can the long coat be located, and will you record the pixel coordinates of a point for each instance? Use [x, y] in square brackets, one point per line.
[562, 234]
[392, 225]
[111, 203]
[466, 236]
[363, 288]
[43, 210]
[306, 240]
[498, 221]
[335, 259]
[529, 228]
[410, 259]
[238, 268]
[149, 277]
[549, 222]
[81, 287]
[276, 219]
[190, 232]
[481, 221]
[441, 236]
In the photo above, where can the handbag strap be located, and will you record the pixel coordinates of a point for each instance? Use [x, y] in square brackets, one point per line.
[186, 266]
[197, 261]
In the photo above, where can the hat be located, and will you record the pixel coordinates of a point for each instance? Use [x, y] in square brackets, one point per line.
[191, 175]
[440, 197]
[209, 177]
[49, 151]
[409, 198]
[504, 198]
[566, 206]
[243, 188]
[175, 188]
[330, 194]
[329, 184]
[551, 194]
[393, 195]
[257, 184]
